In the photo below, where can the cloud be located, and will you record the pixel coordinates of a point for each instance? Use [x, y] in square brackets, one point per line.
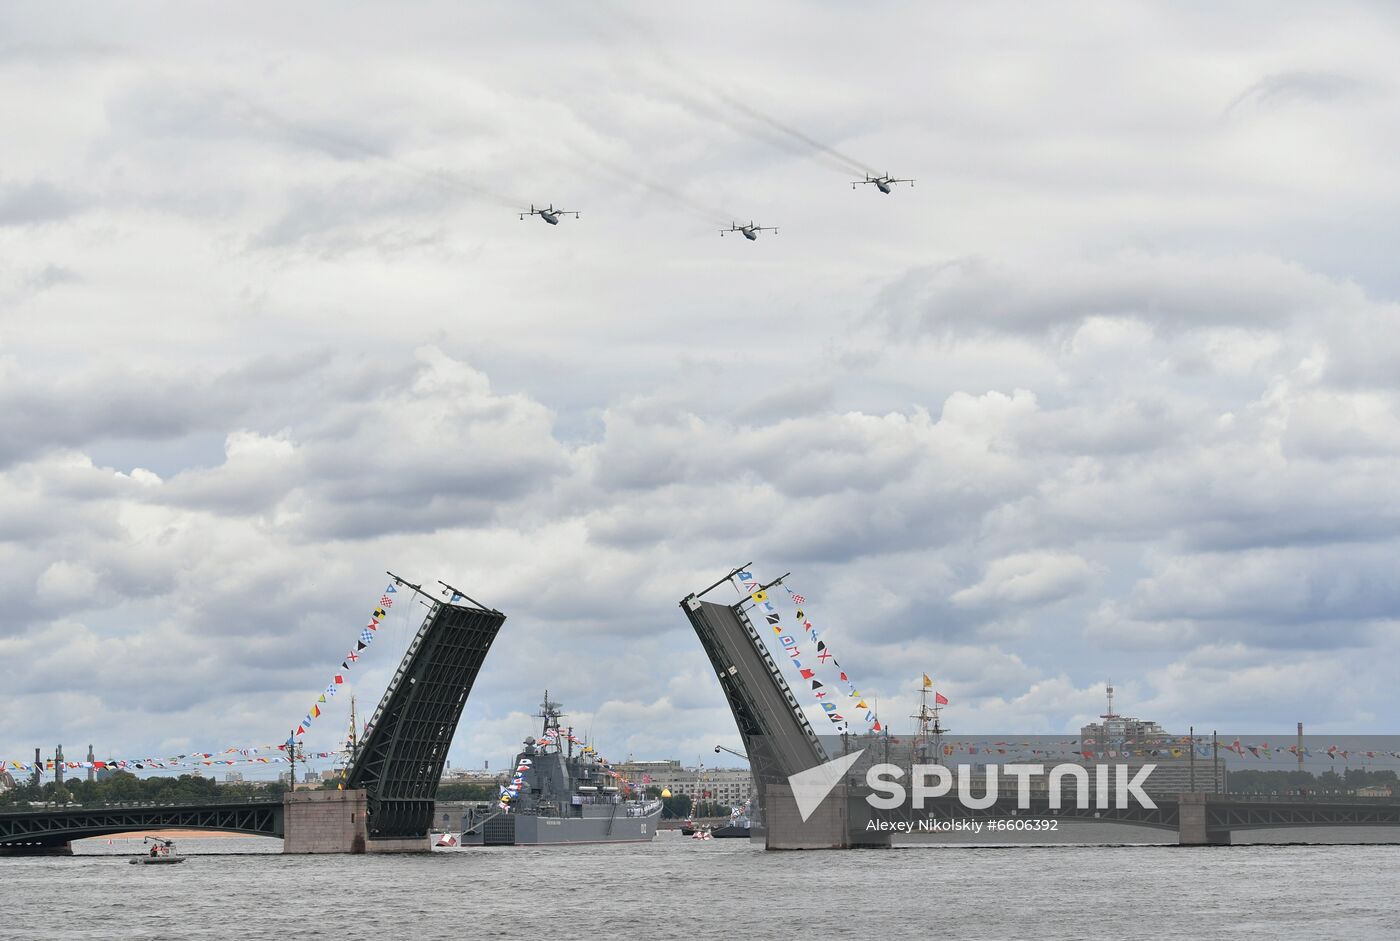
[35, 202]
[1171, 293]
[1110, 392]
[1028, 578]
[1297, 85]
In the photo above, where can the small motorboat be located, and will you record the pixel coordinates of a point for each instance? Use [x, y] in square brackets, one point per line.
[161, 853]
[446, 839]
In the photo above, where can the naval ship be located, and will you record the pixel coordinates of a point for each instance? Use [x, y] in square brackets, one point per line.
[560, 795]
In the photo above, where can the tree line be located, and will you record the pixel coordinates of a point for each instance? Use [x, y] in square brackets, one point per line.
[123, 786]
[1329, 783]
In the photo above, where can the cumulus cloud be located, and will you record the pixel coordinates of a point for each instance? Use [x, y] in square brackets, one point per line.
[1111, 391]
[35, 201]
[1028, 578]
[1172, 293]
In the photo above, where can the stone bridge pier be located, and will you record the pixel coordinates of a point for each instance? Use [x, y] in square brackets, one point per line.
[337, 822]
[1193, 822]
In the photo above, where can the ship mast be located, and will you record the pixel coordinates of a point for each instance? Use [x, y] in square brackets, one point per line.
[929, 726]
[354, 741]
[551, 712]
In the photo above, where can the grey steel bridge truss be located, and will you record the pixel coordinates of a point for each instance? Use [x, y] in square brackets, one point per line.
[401, 758]
[777, 736]
[57, 826]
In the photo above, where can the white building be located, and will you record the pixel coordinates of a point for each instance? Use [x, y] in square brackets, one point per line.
[722, 785]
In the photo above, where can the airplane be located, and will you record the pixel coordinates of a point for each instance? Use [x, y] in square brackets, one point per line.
[882, 183]
[750, 231]
[550, 215]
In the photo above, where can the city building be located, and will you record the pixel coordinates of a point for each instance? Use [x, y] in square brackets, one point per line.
[722, 785]
[233, 777]
[471, 776]
[1177, 763]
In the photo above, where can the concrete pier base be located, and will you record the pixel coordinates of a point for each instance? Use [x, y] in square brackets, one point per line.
[1192, 824]
[324, 822]
[336, 822]
[826, 829]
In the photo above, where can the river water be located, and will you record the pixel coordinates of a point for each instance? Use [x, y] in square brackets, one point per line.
[676, 887]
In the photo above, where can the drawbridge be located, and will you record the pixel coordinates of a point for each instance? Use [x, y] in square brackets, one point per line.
[777, 736]
[778, 739]
[781, 746]
[401, 758]
[386, 804]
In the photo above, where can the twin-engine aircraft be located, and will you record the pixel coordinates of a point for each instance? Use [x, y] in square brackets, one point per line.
[550, 215]
[882, 183]
[750, 231]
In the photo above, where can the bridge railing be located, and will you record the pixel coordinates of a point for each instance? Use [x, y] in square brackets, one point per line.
[1311, 798]
[52, 807]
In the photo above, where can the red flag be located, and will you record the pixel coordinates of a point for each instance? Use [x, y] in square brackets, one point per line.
[940, 699]
[807, 674]
[339, 679]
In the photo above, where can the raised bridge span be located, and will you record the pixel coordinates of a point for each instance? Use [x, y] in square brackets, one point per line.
[390, 786]
[780, 744]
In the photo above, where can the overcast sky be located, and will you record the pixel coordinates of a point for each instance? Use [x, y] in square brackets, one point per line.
[1110, 392]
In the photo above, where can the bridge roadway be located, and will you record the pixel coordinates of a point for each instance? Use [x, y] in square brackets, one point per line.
[50, 829]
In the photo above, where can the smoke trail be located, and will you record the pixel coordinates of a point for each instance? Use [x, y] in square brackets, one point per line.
[709, 214]
[708, 110]
[760, 125]
[851, 163]
[344, 147]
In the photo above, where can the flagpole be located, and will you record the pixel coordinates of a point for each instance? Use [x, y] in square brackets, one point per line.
[1191, 734]
[460, 593]
[1215, 759]
[729, 577]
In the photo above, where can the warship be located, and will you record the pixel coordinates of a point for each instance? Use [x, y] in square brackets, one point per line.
[559, 795]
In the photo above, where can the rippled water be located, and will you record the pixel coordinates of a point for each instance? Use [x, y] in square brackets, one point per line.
[680, 888]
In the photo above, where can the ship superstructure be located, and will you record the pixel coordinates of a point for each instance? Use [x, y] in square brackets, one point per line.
[562, 791]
